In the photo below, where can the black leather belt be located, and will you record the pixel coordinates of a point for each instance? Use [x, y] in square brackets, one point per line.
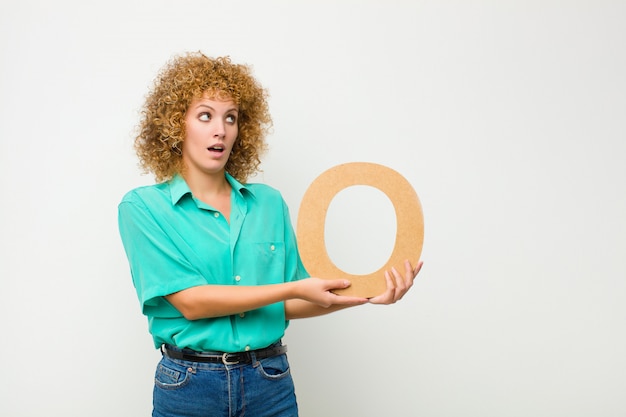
[225, 358]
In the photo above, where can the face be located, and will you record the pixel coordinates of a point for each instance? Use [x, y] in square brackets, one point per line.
[210, 133]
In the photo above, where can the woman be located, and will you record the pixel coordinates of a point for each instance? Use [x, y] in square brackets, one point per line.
[214, 259]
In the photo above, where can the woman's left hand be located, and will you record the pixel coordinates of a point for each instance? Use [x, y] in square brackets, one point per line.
[397, 284]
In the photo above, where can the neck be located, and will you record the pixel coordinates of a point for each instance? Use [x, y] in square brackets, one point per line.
[207, 187]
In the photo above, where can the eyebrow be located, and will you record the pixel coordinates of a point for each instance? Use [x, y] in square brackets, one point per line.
[209, 107]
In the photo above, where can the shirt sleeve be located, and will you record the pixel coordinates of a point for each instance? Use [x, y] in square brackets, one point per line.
[294, 268]
[158, 268]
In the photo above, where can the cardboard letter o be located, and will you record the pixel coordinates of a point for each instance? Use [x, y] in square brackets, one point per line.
[312, 220]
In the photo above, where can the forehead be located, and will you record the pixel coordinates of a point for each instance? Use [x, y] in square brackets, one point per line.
[221, 98]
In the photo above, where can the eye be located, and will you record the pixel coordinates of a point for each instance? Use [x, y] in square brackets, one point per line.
[231, 118]
[204, 117]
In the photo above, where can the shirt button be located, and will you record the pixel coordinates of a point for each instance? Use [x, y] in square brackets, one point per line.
[242, 315]
[272, 247]
[247, 348]
[237, 278]
[216, 214]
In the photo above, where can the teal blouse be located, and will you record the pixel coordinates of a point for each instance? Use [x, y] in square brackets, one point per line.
[174, 241]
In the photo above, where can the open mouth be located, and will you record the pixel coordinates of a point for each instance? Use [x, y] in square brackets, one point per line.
[216, 148]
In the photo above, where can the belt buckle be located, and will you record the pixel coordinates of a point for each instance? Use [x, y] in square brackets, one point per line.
[225, 360]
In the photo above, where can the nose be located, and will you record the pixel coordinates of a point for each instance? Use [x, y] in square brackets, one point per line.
[220, 129]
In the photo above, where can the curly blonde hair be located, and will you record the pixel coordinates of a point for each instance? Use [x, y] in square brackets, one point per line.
[183, 79]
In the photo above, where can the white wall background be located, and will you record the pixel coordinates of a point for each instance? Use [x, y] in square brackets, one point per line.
[508, 117]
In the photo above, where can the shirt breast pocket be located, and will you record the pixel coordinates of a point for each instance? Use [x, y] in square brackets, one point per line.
[263, 260]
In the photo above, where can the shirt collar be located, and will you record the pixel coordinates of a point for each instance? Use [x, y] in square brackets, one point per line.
[239, 187]
[179, 187]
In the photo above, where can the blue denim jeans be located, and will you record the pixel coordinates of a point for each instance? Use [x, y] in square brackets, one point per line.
[263, 388]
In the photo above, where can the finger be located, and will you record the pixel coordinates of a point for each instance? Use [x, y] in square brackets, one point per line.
[392, 279]
[401, 284]
[387, 296]
[349, 301]
[408, 280]
[394, 284]
[337, 284]
[408, 269]
[417, 269]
